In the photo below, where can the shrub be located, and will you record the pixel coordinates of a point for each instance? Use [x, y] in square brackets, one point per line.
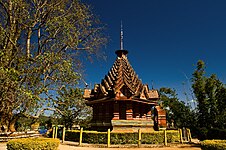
[215, 133]
[202, 133]
[213, 145]
[124, 138]
[72, 135]
[156, 137]
[173, 136]
[33, 144]
[95, 138]
[209, 134]
[87, 136]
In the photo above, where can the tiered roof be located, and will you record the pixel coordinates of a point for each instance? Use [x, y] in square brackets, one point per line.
[121, 83]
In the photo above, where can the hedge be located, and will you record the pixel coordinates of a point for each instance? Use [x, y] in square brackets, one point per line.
[94, 137]
[157, 137]
[87, 136]
[124, 138]
[33, 144]
[213, 145]
[209, 134]
[215, 133]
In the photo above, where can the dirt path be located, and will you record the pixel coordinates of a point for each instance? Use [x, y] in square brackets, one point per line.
[68, 147]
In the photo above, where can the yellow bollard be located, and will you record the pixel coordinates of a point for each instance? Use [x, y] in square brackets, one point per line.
[165, 138]
[109, 138]
[189, 135]
[80, 137]
[63, 135]
[181, 136]
[139, 137]
[54, 132]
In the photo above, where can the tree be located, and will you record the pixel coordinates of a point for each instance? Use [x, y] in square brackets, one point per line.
[210, 94]
[40, 43]
[177, 112]
[72, 106]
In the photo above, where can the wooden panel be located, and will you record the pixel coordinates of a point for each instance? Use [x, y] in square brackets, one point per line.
[122, 110]
[116, 111]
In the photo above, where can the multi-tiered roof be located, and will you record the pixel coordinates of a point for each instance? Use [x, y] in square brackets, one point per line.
[121, 83]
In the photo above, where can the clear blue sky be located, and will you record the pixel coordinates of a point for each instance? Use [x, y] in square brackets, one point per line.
[165, 39]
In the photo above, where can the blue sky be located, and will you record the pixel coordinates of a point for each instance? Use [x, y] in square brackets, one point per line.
[165, 39]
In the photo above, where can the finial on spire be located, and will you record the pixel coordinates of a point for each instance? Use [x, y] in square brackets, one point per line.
[152, 84]
[121, 38]
[121, 52]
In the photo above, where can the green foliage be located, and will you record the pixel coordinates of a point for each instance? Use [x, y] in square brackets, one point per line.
[87, 136]
[95, 137]
[177, 112]
[213, 133]
[72, 135]
[124, 138]
[33, 144]
[40, 47]
[210, 94]
[213, 145]
[157, 137]
[72, 107]
[153, 138]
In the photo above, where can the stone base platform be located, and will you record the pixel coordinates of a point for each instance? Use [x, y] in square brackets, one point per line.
[132, 125]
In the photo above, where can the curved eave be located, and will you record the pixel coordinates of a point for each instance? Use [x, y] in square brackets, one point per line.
[108, 99]
[102, 100]
[145, 101]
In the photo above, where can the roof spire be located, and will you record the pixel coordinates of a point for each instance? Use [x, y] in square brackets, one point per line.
[121, 52]
[121, 38]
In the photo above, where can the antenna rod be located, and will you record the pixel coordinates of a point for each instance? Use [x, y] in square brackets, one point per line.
[121, 38]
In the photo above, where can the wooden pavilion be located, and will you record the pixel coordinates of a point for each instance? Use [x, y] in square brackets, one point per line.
[121, 102]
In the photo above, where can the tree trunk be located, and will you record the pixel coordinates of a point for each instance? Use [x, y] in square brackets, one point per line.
[12, 122]
[28, 46]
[11, 127]
[39, 42]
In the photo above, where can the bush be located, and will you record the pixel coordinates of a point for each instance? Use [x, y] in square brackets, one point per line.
[202, 133]
[216, 133]
[72, 135]
[124, 138]
[212, 133]
[87, 136]
[213, 145]
[95, 138]
[156, 137]
[33, 144]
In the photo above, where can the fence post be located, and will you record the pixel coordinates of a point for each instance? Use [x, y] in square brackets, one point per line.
[56, 132]
[189, 135]
[139, 137]
[63, 136]
[53, 132]
[165, 138]
[80, 137]
[109, 138]
[181, 136]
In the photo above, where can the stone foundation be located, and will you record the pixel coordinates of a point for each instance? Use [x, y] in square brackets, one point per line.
[132, 125]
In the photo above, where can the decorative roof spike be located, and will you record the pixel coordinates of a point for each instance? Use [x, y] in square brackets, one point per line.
[121, 38]
[152, 84]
